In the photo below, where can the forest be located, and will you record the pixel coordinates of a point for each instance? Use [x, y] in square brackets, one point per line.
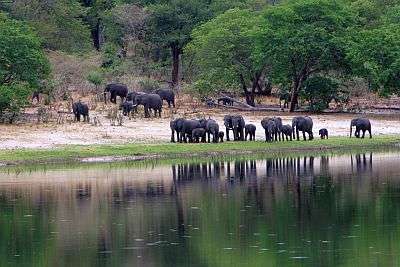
[313, 50]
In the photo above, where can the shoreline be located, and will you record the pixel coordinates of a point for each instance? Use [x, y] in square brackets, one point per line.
[176, 151]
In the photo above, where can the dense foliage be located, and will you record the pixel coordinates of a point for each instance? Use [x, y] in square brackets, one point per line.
[240, 46]
[23, 64]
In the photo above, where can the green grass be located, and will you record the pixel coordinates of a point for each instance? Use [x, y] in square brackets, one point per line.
[173, 151]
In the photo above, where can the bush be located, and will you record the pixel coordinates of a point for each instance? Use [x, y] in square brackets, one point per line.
[148, 85]
[95, 78]
[319, 92]
[12, 99]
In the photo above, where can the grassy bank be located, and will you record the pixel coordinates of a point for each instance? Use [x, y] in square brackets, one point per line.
[171, 151]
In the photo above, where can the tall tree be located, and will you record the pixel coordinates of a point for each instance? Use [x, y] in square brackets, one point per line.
[375, 54]
[59, 23]
[171, 23]
[302, 38]
[23, 64]
[224, 50]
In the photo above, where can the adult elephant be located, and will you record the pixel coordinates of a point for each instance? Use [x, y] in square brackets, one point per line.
[270, 128]
[80, 109]
[304, 125]
[115, 89]
[212, 128]
[131, 95]
[361, 124]
[187, 127]
[167, 95]
[278, 125]
[236, 124]
[149, 102]
[176, 127]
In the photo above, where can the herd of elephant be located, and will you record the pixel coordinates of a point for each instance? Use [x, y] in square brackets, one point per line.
[208, 130]
[130, 101]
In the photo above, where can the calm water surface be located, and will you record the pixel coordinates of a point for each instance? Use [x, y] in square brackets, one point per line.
[322, 211]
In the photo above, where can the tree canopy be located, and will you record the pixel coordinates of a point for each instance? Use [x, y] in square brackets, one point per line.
[224, 50]
[23, 64]
[303, 38]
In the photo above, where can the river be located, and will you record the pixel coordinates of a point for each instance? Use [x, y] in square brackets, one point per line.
[304, 211]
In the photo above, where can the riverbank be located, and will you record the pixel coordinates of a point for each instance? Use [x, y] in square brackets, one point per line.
[139, 152]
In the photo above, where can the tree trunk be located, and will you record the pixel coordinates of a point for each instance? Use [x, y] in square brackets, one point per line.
[295, 94]
[175, 64]
[98, 35]
[249, 95]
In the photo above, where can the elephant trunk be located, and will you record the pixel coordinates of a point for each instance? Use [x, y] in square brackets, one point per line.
[351, 130]
[105, 97]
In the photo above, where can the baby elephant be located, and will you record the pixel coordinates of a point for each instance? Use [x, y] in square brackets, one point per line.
[221, 136]
[81, 109]
[250, 130]
[323, 133]
[199, 134]
[287, 131]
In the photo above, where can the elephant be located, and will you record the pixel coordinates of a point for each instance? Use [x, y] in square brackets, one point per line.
[303, 124]
[250, 130]
[287, 131]
[278, 124]
[176, 127]
[80, 109]
[115, 89]
[221, 136]
[167, 95]
[270, 128]
[212, 128]
[127, 108]
[236, 124]
[187, 127]
[226, 101]
[361, 124]
[131, 95]
[199, 134]
[149, 102]
[323, 133]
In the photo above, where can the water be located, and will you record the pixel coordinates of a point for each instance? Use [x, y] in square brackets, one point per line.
[322, 211]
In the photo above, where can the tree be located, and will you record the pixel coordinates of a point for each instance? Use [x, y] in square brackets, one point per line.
[96, 14]
[302, 38]
[171, 23]
[59, 23]
[23, 64]
[375, 56]
[319, 91]
[224, 50]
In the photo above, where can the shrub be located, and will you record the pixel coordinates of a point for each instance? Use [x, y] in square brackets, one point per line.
[149, 85]
[96, 78]
[12, 99]
[319, 92]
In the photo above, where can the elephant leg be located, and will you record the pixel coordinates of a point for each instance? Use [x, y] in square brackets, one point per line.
[297, 134]
[310, 136]
[173, 136]
[370, 134]
[304, 136]
[266, 135]
[227, 134]
[363, 134]
[169, 104]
